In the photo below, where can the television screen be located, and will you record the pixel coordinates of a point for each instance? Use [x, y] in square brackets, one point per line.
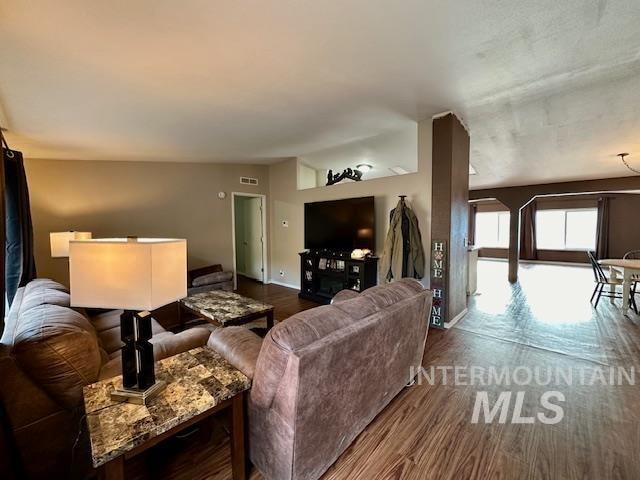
[341, 225]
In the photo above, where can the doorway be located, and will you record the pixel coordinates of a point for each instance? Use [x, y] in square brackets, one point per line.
[249, 221]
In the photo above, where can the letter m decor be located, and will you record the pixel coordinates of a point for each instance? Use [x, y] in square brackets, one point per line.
[439, 263]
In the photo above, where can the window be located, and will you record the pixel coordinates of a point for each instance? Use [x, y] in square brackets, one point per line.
[492, 229]
[573, 229]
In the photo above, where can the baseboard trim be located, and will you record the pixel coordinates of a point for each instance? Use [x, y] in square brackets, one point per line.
[283, 284]
[456, 318]
[551, 262]
[540, 262]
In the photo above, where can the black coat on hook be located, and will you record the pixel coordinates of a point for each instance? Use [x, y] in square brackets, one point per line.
[406, 244]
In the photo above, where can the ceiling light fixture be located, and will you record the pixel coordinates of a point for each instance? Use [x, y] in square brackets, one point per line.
[626, 164]
[364, 167]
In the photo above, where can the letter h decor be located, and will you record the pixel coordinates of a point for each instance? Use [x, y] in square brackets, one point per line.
[438, 282]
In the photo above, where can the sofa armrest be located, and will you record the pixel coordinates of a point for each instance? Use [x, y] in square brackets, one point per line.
[344, 295]
[239, 346]
[170, 345]
[24, 400]
[164, 346]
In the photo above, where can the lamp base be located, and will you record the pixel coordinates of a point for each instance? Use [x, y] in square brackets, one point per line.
[137, 396]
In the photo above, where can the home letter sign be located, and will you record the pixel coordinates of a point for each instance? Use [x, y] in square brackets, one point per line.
[438, 282]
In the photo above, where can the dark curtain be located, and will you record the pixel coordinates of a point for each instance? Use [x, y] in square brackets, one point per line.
[528, 247]
[10, 462]
[2, 234]
[20, 267]
[473, 209]
[602, 234]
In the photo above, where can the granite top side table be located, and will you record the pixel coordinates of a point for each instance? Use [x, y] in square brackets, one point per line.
[199, 383]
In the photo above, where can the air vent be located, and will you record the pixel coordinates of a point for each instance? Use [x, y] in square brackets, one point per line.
[248, 181]
[398, 170]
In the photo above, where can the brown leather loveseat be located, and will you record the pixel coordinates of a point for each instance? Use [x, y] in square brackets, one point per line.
[321, 376]
[48, 352]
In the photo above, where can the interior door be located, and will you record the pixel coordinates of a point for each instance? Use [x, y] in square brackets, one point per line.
[254, 238]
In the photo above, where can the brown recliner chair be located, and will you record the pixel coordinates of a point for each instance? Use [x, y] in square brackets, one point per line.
[320, 377]
[48, 352]
[209, 278]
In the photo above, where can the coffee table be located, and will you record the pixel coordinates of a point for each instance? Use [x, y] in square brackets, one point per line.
[199, 383]
[227, 308]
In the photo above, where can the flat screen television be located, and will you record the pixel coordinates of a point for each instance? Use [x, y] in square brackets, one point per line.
[340, 225]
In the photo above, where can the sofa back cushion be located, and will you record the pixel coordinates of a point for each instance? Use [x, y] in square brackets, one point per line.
[58, 349]
[38, 283]
[334, 368]
[37, 292]
[347, 379]
[286, 337]
[54, 345]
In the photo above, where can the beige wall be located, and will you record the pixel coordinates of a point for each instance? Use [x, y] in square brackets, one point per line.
[286, 202]
[307, 176]
[137, 198]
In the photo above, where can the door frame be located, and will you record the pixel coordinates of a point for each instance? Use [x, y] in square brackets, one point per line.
[264, 233]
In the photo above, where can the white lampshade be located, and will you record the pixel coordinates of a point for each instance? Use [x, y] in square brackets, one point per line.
[60, 242]
[130, 274]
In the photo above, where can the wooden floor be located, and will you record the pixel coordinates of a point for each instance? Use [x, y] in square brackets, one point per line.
[426, 432]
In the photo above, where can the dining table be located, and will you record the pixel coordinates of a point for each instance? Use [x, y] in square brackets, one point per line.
[628, 268]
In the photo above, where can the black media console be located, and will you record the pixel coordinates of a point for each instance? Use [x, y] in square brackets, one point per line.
[324, 273]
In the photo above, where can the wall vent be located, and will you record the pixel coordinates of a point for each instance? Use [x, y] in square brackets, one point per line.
[248, 181]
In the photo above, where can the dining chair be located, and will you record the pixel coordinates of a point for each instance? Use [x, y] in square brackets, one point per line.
[602, 281]
[635, 279]
[632, 255]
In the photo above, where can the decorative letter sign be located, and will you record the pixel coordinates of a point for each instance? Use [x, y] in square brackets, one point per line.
[438, 282]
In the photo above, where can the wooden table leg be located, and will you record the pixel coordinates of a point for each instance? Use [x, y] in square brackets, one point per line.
[270, 320]
[180, 316]
[613, 274]
[626, 291]
[113, 470]
[238, 461]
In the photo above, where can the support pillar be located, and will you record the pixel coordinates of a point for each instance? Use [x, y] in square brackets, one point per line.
[514, 243]
[449, 220]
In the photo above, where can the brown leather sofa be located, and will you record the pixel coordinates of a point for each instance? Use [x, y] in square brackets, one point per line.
[48, 352]
[320, 377]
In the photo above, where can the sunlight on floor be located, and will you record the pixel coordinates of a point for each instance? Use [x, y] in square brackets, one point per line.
[555, 294]
[549, 308]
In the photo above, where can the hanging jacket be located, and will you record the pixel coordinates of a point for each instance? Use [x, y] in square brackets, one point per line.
[391, 266]
[415, 262]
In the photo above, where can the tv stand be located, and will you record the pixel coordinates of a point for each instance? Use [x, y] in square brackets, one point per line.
[325, 272]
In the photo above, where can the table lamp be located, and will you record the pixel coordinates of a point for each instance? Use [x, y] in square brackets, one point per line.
[136, 275]
[60, 242]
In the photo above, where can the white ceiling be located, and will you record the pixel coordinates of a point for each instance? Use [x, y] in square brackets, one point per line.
[550, 90]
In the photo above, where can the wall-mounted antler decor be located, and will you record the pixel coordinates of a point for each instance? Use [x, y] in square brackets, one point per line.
[333, 178]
